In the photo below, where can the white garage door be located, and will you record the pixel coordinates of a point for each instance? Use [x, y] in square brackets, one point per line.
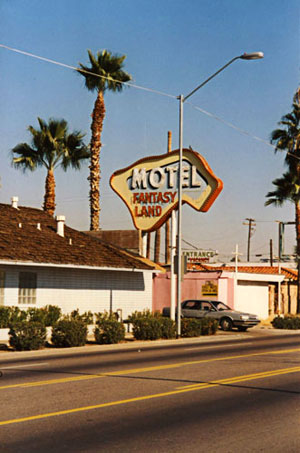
[252, 297]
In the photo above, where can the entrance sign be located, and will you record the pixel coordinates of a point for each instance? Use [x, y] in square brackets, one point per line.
[149, 187]
[196, 256]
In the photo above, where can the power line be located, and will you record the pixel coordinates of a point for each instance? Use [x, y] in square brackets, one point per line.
[74, 68]
[227, 123]
[161, 93]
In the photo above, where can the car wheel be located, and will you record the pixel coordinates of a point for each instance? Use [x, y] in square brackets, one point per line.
[226, 324]
[242, 328]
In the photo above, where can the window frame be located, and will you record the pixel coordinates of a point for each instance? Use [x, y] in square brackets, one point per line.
[27, 288]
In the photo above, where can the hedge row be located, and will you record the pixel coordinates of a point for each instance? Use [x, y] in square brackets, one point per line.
[148, 326]
[47, 316]
[287, 322]
[69, 331]
[29, 332]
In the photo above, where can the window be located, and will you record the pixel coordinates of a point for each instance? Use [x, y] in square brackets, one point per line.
[2, 284]
[27, 288]
[206, 306]
[190, 305]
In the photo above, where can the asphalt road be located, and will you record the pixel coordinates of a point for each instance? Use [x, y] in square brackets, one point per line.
[238, 392]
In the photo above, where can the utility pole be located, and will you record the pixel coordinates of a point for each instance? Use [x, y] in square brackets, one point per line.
[251, 227]
[271, 252]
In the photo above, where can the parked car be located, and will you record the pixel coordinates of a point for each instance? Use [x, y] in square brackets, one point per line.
[215, 309]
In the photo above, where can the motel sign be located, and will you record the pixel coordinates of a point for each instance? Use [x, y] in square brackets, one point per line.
[149, 187]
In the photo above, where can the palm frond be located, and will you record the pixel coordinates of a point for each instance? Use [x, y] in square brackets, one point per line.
[105, 72]
[287, 189]
[287, 138]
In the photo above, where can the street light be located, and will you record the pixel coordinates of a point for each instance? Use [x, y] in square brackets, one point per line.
[182, 99]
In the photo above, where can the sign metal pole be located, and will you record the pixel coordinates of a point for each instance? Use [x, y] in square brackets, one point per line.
[179, 219]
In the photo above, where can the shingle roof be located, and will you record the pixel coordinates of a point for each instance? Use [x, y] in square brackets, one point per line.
[273, 270]
[21, 240]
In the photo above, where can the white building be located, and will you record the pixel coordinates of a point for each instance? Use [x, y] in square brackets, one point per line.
[42, 261]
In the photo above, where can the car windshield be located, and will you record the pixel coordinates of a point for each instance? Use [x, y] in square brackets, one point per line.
[220, 306]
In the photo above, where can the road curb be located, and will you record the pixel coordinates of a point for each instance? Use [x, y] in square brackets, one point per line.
[139, 345]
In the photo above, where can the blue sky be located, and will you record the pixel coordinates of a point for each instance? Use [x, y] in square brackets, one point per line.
[171, 47]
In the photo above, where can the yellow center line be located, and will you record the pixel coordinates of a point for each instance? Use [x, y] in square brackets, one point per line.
[233, 380]
[142, 370]
[227, 381]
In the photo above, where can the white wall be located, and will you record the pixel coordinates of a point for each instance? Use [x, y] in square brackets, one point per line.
[252, 297]
[84, 289]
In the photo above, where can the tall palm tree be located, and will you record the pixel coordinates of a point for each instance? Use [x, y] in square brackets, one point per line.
[287, 138]
[51, 146]
[288, 189]
[105, 73]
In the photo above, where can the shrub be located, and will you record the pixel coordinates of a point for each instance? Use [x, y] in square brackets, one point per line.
[168, 328]
[69, 332]
[4, 317]
[36, 315]
[48, 315]
[191, 327]
[109, 330]
[52, 314]
[87, 317]
[146, 326]
[209, 326]
[17, 315]
[194, 327]
[11, 315]
[27, 335]
[287, 322]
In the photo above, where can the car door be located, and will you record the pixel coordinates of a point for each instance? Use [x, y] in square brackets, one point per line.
[206, 309]
[190, 309]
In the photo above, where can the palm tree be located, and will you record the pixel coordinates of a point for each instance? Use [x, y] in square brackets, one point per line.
[51, 146]
[288, 189]
[288, 138]
[105, 73]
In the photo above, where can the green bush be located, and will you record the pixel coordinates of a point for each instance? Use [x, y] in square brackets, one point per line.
[47, 315]
[191, 327]
[87, 317]
[287, 322]
[36, 315]
[209, 326]
[69, 332]
[17, 315]
[27, 335]
[11, 315]
[52, 314]
[147, 329]
[151, 326]
[109, 330]
[168, 328]
[146, 326]
[4, 317]
[194, 327]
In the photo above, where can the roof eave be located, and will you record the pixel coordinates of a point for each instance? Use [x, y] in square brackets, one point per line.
[74, 266]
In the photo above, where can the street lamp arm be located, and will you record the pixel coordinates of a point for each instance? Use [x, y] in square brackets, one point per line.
[211, 77]
[245, 56]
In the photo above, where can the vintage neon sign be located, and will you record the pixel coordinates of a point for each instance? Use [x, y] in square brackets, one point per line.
[149, 187]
